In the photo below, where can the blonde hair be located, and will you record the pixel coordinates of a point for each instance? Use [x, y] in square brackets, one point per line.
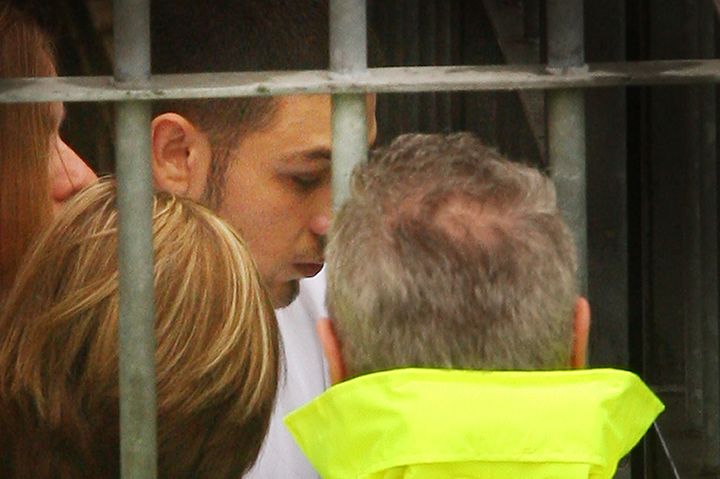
[25, 131]
[217, 355]
[473, 266]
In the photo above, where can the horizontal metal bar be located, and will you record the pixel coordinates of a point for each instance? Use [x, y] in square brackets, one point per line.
[396, 79]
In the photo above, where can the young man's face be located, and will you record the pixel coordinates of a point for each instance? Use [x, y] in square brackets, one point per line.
[278, 191]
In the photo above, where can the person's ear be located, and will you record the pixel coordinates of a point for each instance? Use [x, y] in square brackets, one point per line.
[181, 156]
[331, 347]
[581, 329]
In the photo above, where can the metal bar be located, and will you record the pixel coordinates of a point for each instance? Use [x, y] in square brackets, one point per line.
[138, 410]
[607, 186]
[348, 56]
[709, 218]
[445, 57]
[565, 32]
[348, 36]
[428, 51]
[566, 123]
[566, 152]
[693, 100]
[379, 80]
[709, 265]
[137, 332]
[131, 40]
[690, 278]
[410, 28]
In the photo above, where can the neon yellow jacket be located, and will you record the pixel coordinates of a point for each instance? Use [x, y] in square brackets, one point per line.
[430, 423]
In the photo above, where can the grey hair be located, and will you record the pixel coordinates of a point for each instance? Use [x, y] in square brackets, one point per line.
[447, 255]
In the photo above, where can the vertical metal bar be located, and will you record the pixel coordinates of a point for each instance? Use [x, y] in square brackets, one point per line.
[607, 186]
[709, 219]
[566, 123]
[138, 416]
[445, 57]
[427, 39]
[348, 54]
[692, 255]
[565, 33]
[411, 25]
[710, 333]
[693, 300]
[131, 39]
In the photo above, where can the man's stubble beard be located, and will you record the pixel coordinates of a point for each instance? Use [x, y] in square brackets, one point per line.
[287, 295]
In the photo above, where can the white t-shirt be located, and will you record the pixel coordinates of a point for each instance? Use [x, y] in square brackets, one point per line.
[304, 377]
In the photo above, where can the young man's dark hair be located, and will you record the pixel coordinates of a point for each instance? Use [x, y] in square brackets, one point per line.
[233, 36]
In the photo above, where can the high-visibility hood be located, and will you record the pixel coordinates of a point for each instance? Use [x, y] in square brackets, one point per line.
[443, 424]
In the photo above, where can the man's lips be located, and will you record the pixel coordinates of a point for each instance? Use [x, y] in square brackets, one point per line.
[308, 269]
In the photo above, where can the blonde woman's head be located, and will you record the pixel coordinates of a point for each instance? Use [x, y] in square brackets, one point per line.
[217, 354]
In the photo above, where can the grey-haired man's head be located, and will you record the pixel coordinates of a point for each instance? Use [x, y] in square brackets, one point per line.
[448, 255]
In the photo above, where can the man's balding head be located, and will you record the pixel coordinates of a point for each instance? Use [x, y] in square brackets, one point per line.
[448, 255]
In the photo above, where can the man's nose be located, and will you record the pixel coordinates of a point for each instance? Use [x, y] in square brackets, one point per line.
[320, 221]
[320, 224]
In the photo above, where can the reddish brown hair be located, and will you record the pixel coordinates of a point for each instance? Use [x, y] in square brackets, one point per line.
[24, 143]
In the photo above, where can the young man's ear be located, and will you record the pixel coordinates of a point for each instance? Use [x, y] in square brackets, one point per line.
[181, 156]
[581, 329]
[333, 352]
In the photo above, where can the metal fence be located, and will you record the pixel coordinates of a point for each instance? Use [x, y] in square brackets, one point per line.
[348, 80]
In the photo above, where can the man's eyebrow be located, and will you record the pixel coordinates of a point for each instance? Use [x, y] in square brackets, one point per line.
[314, 154]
